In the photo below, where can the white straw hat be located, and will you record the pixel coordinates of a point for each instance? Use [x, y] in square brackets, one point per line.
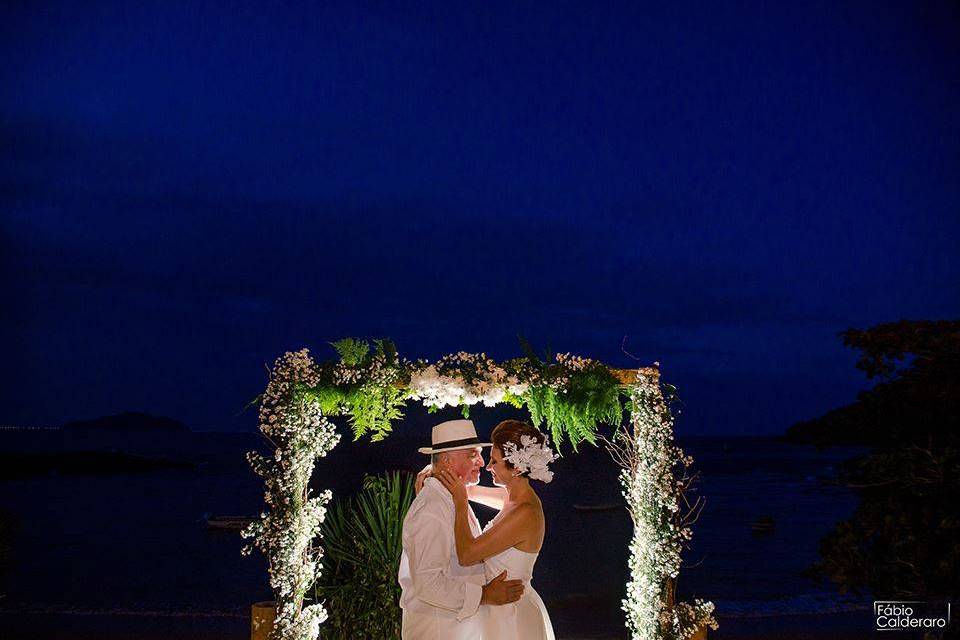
[453, 435]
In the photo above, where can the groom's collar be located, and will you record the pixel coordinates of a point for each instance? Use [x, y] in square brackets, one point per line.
[434, 485]
[437, 486]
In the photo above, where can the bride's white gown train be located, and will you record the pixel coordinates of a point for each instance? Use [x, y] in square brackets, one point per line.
[526, 619]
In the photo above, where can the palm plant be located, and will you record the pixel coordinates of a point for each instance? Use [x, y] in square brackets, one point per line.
[363, 540]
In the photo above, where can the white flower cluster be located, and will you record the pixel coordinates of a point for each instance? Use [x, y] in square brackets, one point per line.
[559, 376]
[652, 493]
[463, 379]
[531, 458]
[290, 371]
[300, 434]
[574, 363]
[688, 619]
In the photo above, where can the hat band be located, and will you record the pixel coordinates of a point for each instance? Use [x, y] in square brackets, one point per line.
[455, 443]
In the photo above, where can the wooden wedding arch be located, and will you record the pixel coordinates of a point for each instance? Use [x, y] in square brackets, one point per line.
[576, 399]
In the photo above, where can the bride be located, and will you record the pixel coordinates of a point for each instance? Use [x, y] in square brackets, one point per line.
[511, 541]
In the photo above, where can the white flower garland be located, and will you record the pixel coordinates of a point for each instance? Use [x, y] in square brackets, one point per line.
[531, 458]
[444, 385]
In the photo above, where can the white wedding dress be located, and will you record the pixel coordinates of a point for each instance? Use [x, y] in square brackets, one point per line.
[525, 619]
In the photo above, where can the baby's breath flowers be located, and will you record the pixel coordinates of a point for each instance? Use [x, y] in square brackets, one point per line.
[293, 423]
[653, 480]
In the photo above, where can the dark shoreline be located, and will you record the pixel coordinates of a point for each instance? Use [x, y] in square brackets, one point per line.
[14, 466]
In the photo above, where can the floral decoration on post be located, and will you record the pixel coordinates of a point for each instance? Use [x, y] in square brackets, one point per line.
[654, 480]
[299, 433]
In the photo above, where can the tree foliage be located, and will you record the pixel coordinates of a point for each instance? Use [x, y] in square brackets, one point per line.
[902, 539]
[917, 395]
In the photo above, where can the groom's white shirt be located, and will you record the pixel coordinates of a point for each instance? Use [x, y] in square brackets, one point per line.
[441, 598]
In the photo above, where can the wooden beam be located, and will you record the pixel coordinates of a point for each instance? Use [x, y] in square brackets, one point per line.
[629, 376]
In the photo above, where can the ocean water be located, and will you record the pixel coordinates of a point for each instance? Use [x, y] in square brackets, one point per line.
[138, 542]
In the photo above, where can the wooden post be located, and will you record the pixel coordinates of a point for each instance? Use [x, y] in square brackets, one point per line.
[629, 376]
[701, 634]
[262, 615]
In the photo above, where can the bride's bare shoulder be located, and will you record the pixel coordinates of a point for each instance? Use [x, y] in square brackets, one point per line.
[529, 509]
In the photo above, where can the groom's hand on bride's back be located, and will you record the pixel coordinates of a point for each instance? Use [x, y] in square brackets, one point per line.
[501, 591]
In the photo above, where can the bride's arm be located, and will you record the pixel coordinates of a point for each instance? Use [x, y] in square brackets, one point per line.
[488, 496]
[506, 533]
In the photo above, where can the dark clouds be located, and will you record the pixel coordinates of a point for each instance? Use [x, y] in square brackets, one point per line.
[187, 192]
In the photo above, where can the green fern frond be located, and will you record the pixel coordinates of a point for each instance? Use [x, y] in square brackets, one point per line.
[373, 409]
[352, 351]
[331, 400]
[589, 398]
[513, 400]
[387, 349]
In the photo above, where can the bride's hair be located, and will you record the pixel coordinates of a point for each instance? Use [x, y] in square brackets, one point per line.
[511, 431]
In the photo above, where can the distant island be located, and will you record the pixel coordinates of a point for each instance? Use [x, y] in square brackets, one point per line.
[114, 430]
[130, 421]
[852, 424]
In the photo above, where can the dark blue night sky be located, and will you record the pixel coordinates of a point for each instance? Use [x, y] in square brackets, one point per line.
[189, 189]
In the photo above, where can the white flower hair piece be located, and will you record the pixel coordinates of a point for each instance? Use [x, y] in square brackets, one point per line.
[531, 458]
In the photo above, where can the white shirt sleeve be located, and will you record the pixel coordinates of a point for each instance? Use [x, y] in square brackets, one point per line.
[430, 548]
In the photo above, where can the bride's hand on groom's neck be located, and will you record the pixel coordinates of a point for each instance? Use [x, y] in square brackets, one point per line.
[454, 485]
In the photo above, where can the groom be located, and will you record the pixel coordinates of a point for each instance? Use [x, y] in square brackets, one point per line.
[441, 599]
